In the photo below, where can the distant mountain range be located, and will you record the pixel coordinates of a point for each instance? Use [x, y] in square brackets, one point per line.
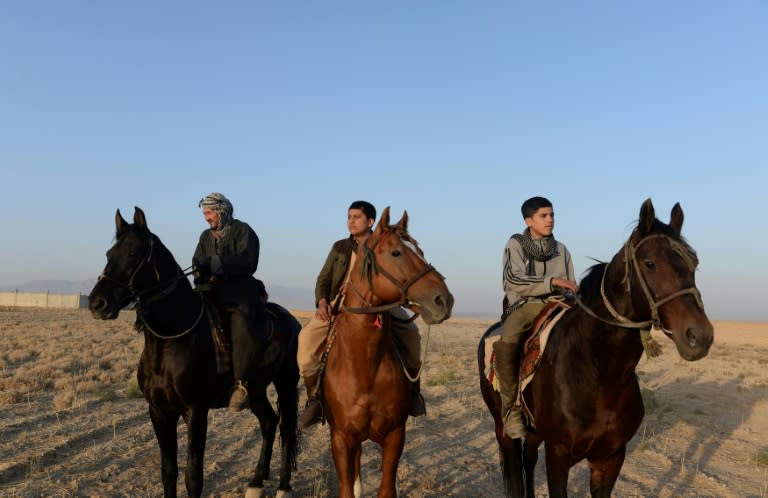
[289, 297]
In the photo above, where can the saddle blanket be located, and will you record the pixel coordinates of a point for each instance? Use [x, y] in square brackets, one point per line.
[533, 347]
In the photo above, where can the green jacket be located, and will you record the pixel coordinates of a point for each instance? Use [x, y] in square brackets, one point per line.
[331, 277]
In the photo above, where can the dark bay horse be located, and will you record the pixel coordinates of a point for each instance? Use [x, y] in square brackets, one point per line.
[365, 389]
[177, 370]
[585, 398]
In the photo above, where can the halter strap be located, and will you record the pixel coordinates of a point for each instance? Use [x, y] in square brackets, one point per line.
[403, 288]
[630, 258]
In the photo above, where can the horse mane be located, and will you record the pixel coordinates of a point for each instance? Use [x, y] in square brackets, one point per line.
[589, 287]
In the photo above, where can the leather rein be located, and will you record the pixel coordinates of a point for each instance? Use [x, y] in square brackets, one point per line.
[630, 258]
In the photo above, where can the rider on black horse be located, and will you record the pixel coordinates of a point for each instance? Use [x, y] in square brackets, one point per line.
[225, 259]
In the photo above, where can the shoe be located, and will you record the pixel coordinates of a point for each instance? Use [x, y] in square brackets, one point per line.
[239, 398]
[312, 414]
[418, 406]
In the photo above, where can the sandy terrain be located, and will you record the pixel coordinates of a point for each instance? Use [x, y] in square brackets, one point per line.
[71, 424]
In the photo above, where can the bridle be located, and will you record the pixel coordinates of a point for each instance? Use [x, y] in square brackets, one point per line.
[631, 264]
[155, 292]
[369, 266]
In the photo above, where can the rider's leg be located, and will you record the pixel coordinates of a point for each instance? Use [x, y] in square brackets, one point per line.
[248, 346]
[408, 339]
[507, 351]
[312, 343]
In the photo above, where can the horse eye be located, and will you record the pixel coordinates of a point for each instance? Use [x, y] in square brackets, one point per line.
[396, 253]
[649, 264]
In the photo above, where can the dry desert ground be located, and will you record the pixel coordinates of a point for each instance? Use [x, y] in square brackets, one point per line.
[71, 423]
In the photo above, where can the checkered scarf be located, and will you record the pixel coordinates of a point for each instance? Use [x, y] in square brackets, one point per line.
[536, 250]
[220, 204]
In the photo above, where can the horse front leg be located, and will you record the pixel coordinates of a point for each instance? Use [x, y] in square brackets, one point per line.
[558, 464]
[344, 452]
[391, 451]
[197, 430]
[262, 408]
[603, 473]
[164, 424]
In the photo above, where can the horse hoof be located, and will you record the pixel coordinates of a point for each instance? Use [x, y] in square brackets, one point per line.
[284, 494]
[255, 492]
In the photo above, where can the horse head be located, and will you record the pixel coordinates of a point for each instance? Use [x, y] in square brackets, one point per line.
[134, 267]
[395, 271]
[661, 265]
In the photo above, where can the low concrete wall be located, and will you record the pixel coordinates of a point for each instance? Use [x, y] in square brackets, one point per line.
[43, 300]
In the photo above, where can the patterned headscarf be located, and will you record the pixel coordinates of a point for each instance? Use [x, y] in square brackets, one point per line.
[220, 204]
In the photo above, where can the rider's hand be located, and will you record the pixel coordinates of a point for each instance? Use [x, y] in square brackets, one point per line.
[565, 284]
[203, 264]
[323, 310]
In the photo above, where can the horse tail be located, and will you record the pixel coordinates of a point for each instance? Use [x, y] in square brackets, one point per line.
[286, 385]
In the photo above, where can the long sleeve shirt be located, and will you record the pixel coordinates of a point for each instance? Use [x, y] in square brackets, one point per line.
[519, 286]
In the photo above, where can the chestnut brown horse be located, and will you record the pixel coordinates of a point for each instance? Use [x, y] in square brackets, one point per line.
[585, 398]
[365, 389]
[178, 371]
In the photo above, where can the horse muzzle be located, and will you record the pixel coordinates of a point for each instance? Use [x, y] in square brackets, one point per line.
[694, 343]
[437, 309]
[100, 308]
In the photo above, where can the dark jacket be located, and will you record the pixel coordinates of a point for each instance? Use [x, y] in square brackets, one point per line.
[331, 277]
[234, 259]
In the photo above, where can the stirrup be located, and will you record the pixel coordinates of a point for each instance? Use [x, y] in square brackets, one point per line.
[514, 427]
[239, 397]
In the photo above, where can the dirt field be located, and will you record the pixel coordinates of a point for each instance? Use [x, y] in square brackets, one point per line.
[71, 423]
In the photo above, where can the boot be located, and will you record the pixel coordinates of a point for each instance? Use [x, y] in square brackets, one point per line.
[507, 365]
[313, 411]
[418, 406]
[239, 398]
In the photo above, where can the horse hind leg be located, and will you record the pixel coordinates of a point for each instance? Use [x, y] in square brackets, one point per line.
[603, 473]
[530, 458]
[262, 408]
[164, 425]
[286, 384]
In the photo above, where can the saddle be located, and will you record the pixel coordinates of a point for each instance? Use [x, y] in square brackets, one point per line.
[221, 334]
[534, 342]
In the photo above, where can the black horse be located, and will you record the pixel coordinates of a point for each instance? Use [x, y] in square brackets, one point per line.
[584, 398]
[178, 371]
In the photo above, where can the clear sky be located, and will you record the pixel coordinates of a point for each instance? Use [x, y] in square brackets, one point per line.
[456, 111]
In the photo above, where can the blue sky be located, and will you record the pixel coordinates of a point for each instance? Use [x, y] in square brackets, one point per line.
[456, 111]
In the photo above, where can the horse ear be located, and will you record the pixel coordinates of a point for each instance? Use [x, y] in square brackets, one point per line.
[403, 221]
[676, 218]
[139, 219]
[383, 221]
[120, 223]
[647, 217]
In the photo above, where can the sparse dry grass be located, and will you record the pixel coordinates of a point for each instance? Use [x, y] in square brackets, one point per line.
[64, 353]
[74, 423]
